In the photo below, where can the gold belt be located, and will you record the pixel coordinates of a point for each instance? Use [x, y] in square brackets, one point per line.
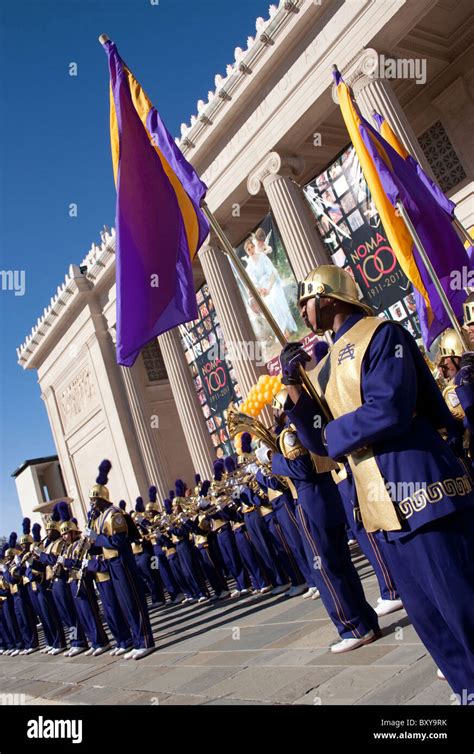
[109, 554]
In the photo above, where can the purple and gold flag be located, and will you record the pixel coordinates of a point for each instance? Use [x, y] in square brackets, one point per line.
[392, 178]
[159, 223]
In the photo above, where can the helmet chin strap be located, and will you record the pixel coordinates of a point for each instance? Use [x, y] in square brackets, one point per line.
[318, 330]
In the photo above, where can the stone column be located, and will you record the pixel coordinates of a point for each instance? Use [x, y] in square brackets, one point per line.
[184, 393]
[296, 222]
[154, 460]
[374, 93]
[232, 315]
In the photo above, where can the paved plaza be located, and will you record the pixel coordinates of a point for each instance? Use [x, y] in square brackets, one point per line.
[258, 650]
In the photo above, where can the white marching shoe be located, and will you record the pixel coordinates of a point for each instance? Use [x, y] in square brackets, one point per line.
[346, 645]
[385, 607]
[203, 599]
[121, 651]
[178, 599]
[140, 653]
[235, 593]
[46, 650]
[31, 650]
[316, 595]
[265, 589]
[224, 594]
[89, 652]
[56, 650]
[14, 653]
[100, 650]
[75, 651]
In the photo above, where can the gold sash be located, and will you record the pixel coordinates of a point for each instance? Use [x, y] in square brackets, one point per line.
[338, 377]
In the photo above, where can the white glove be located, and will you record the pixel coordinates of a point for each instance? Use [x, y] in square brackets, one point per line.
[252, 468]
[60, 559]
[203, 504]
[3, 567]
[36, 550]
[263, 453]
[84, 563]
[17, 560]
[236, 492]
[90, 534]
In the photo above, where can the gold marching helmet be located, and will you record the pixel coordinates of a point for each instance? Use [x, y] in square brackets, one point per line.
[468, 310]
[330, 281]
[99, 491]
[152, 505]
[50, 522]
[26, 538]
[450, 345]
[279, 399]
[66, 523]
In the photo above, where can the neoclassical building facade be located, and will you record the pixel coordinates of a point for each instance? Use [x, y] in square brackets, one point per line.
[269, 142]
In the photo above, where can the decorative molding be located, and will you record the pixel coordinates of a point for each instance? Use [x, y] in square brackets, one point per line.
[273, 164]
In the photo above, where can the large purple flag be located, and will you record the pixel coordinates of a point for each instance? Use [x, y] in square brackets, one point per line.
[431, 217]
[159, 223]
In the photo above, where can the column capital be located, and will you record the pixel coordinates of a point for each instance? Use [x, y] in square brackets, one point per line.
[273, 165]
[360, 71]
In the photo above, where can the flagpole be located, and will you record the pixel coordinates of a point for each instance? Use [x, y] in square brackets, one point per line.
[462, 230]
[431, 272]
[232, 254]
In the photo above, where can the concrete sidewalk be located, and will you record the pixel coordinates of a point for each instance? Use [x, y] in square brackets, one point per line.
[258, 650]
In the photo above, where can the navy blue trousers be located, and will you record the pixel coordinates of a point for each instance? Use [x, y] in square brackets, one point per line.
[46, 609]
[126, 580]
[368, 544]
[88, 611]
[12, 623]
[190, 568]
[50, 617]
[284, 555]
[212, 574]
[262, 541]
[25, 618]
[286, 516]
[303, 526]
[249, 558]
[6, 638]
[150, 576]
[230, 556]
[178, 575]
[164, 569]
[68, 614]
[113, 614]
[434, 572]
[337, 579]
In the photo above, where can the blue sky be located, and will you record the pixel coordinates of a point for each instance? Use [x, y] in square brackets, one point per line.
[54, 150]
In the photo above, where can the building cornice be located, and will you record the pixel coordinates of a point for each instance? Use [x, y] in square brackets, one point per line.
[81, 279]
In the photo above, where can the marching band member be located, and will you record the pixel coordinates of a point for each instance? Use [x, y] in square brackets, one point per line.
[387, 410]
[15, 645]
[57, 577]
[14, 575]
[143, 551]
[109, 532]
[80, 581]
[152, 514]
[187, 558]
[201, 526]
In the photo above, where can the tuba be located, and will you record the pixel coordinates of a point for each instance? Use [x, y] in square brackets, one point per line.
[238, 422]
